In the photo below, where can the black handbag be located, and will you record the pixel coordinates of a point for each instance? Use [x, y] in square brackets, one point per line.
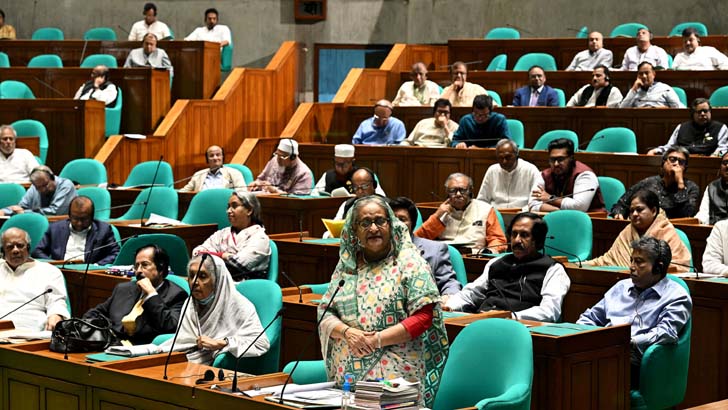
[82, 335]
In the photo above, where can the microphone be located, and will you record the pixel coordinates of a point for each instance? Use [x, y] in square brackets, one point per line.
[576, 30]
[300, 293]
[121, 206]
[154, 179]
[180, 180]
[502, 295]
[83, 52]
[120, 241]
[691, 267]
[519, 28]
[482, 250]
[49, 290]
[570, 195]
[123, 29]
[434, 196]
[50, 87]
[318, 323]
[182, 315]
[466, 63]
[587, 142]
[300, 228]
[563, 251]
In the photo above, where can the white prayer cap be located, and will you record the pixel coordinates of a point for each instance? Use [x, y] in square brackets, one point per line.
[344, 151]
[289, 146]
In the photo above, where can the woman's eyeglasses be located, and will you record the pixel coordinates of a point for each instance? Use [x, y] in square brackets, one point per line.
[380, 222]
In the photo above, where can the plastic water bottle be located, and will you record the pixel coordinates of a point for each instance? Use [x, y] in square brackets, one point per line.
[346, 392]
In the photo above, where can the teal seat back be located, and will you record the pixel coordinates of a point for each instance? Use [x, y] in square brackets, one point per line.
[669, 61]
[499, 375]
[564, 227]
[496, 97]
[4, 60]
[48, 33]
[226, 57]
[680, 92]
[180, 281]
[113, 115]
[85, 171]
[99, 59]
[307, 371]
[543, 141]
[273, 263]
[627, 30]
[100, 33]
[267, 298]
[583, 32]
[143, 174]
[45, 61]
[35, 224]
[318, 288]
[501, 222]
[518, 134]
[10, 194]
[546, 61]
[418, 222]
[247, 173]
[613, 139]
[503, 33]
[162, 201]
[498, 63]
[456, 259]
[172, 244]
[719, 97]
[561, 97]
[101, 199]
[612, 189]
[11, 89]
[678, 29]
[686, 241]
[33, 128]
[115, 231]
[209, 207]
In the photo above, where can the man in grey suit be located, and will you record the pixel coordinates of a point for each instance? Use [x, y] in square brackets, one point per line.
[435, 253]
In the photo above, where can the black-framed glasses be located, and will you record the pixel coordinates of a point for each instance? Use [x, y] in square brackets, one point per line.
[553, 160]
[362, 187]
[676, 160]
[379, 221]
[455, 191]
[703, 111]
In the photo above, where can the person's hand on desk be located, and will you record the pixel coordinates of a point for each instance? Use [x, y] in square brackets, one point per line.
[360, 343]
[443, 303]
[52, 321]
[461, 145]
[208, 343]
[16, 209]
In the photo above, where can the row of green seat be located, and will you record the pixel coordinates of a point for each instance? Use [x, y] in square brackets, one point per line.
[622, 30]
[54, 61]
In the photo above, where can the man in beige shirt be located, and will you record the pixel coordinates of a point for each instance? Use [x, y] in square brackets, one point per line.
[436, 131]
[217, 175]
[461, 93]
[419, 91]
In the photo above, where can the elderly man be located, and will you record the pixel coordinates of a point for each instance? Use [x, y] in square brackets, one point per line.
[419, 91]
[216, 175]
[16, 164]
[25, 279]
[48, 195]
[382, 128]
[714, 205]
[644, 51]
[463, 219]
[508, 183]
[593, 56]
[285, 172]
[599, 93]
[149, 56]
[481, 128]
[701, 135]
[211, 31]
[678, 195]
[435, 253]
[697, 57]
[567, 183]
[340, 176]
[527, 282]
[98, 87]
[363, 183]
[435, 132]
[656, 307]
[646, 92]
[461, 93]
[141, 310]
[536, 93]
[80, 238]
[715, 257]
[149, 24]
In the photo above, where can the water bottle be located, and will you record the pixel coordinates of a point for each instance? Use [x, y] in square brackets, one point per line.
[346, 392]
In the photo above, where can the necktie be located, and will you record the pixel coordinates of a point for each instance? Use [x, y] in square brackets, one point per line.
[129, 321]
[534, 98]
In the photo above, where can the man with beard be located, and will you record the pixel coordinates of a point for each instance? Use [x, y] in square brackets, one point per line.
[568, 183]
[701, 135]
[285, 172]
[211, 31]
[419, 91]
[599, 93]
[340, 176]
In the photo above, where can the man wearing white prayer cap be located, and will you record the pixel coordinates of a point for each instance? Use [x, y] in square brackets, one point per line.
[285, 172]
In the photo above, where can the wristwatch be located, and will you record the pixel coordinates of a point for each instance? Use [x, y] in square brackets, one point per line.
[227, 342]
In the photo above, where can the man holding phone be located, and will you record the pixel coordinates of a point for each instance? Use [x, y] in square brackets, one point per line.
[646, 92]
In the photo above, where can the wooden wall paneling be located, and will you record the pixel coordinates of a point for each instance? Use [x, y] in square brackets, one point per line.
[27, 390]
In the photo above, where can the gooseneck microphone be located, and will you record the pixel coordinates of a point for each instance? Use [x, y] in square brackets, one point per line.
[300, 293]
[93, 250]
[569, 195]
[149, 196]
[318, 323]
[690, 267]
[49, 290]
[563, 251]
[587, 142]
[502, 295]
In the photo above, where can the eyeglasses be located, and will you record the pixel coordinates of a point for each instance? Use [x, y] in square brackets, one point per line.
[379, 221]
[455, 191]
[676, 160]
[446, 112]
[704, 111]
[553, 160]
[143, 265]
[724, 162]
[362, 187]
[281, 156]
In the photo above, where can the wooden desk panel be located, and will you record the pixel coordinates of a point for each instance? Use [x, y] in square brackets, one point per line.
[98, 287]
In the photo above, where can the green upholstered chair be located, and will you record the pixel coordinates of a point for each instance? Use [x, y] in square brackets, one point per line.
[503, 33]
[613, 139]
[518, 134]
[678, 29]
[99, 59]
[680, 93]
[247, 173]
[543, 141]
[307, 371]
[546, 61]
[273, 264]
[162, 201]
[101, 199]
[172, 244]
[113, 115]
[226, 57]
[48, 33]
[100, 33]
[456, 259]
[143, 174]
[209, 207]
[498, 63]
[561, 97]
[627, 30]
[496, 97]
[500, 376]
[10, 194]
[35, 224]
[583, 32]
[664, 370]
[267, 298]
[685, 240]
[15, 89]
[33, 128]
[117, 235]
[500, 219]
[4, 60]
[85, 171]
[564, 227]
[317, 288]
[45, 61]
[719, 97]
[612, 189]
[418, 222]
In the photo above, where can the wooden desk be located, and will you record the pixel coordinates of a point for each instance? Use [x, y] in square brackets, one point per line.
[98, 288]
[145, 92]
[304, 261]
[718, 405]
[193, 235]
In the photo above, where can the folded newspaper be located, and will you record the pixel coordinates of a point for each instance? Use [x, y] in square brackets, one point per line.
[138, 350]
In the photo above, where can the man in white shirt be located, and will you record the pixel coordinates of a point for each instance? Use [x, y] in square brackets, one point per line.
[24, 279]
[98, 87]
[644, 51]
[217, 175]
[599, 93]
[697, 57]
[419, 91]
[16, 164]
[150, 24]
[593, 56]
[461, 93]
[149, 55]
[211, 31]
[508, 183]
[646, 92]
[434, 132]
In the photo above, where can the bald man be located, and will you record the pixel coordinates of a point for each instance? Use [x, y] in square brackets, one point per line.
[48, 195]
[380, 129]
[419, 91]
[594, 55]
[217, 175]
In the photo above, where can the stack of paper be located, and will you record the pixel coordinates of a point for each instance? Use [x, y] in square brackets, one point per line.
[134, 351]
[397, 394]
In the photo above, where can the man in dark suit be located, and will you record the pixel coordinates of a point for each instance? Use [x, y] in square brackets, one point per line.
[143, 309]
[80, 237]
[537, 93]
[435, 253]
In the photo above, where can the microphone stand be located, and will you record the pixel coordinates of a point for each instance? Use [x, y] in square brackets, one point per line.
[563, 251]
[300, 292]
[49, 290]
[149, 196]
